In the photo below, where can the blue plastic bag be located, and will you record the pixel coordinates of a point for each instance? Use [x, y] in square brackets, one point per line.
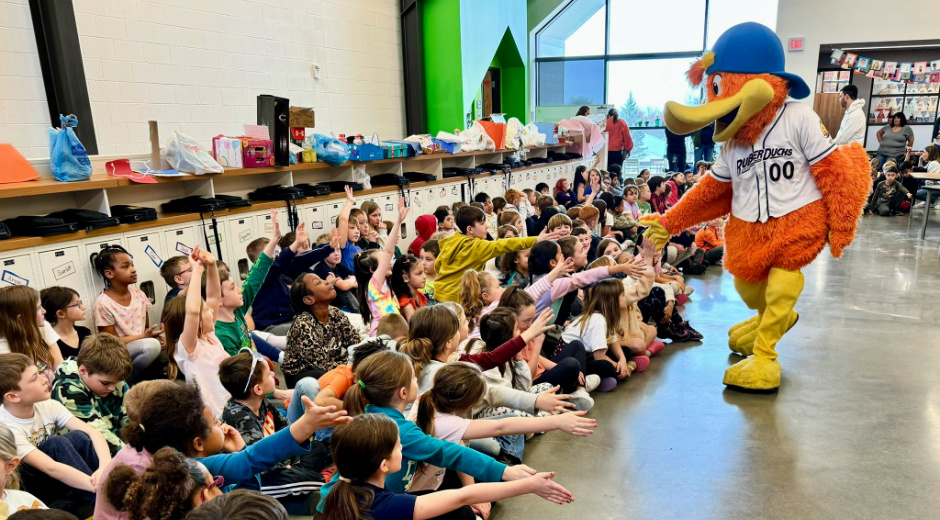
[330, 150]
[67, 155]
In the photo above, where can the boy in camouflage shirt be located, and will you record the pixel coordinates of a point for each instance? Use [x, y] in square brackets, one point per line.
[92, 386]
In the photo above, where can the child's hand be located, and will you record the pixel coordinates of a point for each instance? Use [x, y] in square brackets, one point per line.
[482, 510]
[549, 235]
[574, 423]
[543, 322]
[319, 417]
[564, 267]
[517, 472]
[382, 225]
[550, 401]
[349, 196]
[276, 227]
[154, 330]
[543, 486]
[330, 279]
[402, 210]
[372, 235]
[621, 365]
[301, 235]
[334, 239]
[232, 441]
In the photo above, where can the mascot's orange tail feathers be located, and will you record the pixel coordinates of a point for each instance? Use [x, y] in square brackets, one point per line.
[844, 178]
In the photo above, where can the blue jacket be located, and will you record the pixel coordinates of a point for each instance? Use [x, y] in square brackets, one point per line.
[272, 304]
[417, 446]
[242, 468]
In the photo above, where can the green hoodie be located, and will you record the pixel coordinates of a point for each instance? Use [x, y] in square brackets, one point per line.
[105, 414]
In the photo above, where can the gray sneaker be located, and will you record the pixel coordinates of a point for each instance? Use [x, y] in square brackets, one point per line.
[582, 401]
[591, 382]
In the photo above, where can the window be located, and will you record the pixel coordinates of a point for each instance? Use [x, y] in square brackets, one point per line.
[579, 30]
[642, 26]
[644, 46]
[575, 82]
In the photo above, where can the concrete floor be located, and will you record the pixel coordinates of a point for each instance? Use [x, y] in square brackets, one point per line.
[854, 431]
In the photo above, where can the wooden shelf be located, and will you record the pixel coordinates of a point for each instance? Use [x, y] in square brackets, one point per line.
[48, 185]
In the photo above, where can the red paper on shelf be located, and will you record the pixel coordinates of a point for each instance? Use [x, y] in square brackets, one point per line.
[14, 167]
[122, 168]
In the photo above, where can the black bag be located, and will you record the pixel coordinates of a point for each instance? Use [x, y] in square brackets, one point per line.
[390, 179]
[130, 214]
[419, 177]
[313, 190]
[4, 231]
[340, 186]
[86, 219]
[192, 204]
[231, 201]
[28, 226]
[277, 193]
[494, 168]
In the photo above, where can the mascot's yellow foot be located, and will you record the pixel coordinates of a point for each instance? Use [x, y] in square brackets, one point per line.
[754, 374]
[745, 336]
[736, 332]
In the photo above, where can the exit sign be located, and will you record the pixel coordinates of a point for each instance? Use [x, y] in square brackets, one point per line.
[795, 45]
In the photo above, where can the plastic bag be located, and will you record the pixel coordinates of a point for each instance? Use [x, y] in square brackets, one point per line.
[361, 176]
[184, 154]
[514, 134]
[532, 136]
[330, 150]
[476, 139]
[67, 155]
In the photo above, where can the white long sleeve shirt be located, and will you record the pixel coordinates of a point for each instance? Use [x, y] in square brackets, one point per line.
[853, 124]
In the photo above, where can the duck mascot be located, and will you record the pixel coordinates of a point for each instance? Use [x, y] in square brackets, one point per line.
[788, 189]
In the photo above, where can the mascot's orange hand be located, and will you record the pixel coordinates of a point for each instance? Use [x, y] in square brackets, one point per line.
[655, 231]
[839, 240]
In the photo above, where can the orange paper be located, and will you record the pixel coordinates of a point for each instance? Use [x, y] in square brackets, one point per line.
[14, 167]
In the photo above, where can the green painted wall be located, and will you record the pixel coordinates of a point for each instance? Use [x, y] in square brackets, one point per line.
[443, 77]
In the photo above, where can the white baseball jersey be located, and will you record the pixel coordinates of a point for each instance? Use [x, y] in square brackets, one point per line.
[771, 177]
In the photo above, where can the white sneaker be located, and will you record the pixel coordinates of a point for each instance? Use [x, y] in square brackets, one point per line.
[591, 382]
[582, 401]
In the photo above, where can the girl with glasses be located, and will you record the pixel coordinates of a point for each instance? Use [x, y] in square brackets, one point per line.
[63, 308]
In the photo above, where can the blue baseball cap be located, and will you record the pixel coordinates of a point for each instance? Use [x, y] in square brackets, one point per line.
[752, 48]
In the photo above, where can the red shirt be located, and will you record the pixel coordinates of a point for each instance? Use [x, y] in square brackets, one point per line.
[619, 136]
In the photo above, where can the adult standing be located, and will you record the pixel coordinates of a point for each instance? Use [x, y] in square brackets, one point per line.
[936, 131]
[675, 151]
[703, 141]
[583, 113]
[852, 128]
[620, 143]
[895, 138]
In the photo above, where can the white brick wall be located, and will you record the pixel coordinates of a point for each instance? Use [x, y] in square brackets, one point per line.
[198, 65]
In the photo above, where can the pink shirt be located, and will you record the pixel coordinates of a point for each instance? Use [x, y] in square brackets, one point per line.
[127, 321]
[138, 460]
[202, 367]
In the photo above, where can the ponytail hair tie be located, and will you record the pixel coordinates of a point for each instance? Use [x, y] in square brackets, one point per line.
[362, 384]
[142, 428]
[344, 479]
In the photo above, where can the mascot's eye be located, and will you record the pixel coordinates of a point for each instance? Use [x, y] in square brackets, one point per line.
[716, 85]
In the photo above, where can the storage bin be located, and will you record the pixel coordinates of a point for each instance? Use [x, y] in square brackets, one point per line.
[364, 152]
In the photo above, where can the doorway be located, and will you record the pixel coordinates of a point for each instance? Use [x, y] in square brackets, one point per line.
[491, 93]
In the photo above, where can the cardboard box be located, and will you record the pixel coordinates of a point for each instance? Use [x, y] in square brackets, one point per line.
[228, 151]
[302, 117]
[259, 153]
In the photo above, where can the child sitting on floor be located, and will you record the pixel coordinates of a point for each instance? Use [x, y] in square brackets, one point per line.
[92, 386]
[177, 273]
[63, 308]
[407, 281]
[11, 498]
[429, 252]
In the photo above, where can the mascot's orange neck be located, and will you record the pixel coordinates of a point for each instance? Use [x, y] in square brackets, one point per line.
[750, 131]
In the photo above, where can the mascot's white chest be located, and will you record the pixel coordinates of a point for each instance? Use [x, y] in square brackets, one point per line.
[772, 177]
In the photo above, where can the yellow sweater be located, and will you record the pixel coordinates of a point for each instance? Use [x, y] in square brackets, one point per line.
[460, 252]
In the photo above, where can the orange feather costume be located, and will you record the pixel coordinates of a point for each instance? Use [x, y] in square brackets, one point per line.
[764, 255]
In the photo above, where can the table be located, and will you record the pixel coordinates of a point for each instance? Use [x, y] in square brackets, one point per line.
[930, 191]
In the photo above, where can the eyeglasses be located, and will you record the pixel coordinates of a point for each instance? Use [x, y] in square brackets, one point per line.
[255, 357]
[76, 304]
[217, 482]
[184, 271]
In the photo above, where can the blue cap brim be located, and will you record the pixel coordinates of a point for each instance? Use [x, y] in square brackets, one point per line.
[798, 87]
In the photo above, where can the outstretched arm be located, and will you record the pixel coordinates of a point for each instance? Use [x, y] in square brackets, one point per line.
[844, 179]
[708, 199]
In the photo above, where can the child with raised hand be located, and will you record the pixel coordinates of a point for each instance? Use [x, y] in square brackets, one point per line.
[24, 330]
[429, 253]
[248, 379]
[176, 416]
[177, 273]
[446, 410]
[364, 491]
[600, 328]
[469, 249]
[92, 386]
[61, 470]
[386, 385]
[372, 269]
[231, 326]
[346, 284]
[193, 348]
[11, 497]
[121, 309]
[349, 233]
[63, 308]
[408, 279]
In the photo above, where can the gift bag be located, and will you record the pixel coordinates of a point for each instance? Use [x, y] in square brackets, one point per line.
[330, 150]
[496, 131]
[184, 154]
[67, 156]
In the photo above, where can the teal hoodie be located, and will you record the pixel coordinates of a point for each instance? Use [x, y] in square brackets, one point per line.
[417, 446]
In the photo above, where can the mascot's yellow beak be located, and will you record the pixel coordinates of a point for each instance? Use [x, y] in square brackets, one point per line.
[729, 113]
